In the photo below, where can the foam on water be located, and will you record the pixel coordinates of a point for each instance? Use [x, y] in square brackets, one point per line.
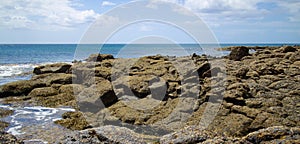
[9, 70]
[31, 117]
[15, 72]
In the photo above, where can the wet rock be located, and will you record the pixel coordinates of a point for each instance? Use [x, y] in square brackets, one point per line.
[238, 53]
[52, 68]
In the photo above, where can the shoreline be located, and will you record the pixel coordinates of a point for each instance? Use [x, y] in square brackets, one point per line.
[261, 94]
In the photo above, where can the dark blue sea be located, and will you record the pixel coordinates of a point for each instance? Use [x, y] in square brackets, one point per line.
[18, 60]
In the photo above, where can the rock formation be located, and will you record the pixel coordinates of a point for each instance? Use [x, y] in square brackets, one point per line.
[256, 96]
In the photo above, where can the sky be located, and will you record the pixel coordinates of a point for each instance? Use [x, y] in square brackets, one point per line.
[230, 21]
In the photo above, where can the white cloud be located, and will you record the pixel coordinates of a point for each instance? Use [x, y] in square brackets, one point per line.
[106, 20]
[108, 3]
[46, 14]
[228, 10]
[218, 11]
[293, 7]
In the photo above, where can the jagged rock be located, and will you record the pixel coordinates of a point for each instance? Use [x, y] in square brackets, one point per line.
[238, 53]
[52, 68]
[99, 57]
[97, 96]
[203, 68]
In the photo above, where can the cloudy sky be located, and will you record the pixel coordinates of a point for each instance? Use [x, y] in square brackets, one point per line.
[232, 21]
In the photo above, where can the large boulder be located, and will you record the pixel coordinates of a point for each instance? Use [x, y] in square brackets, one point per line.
[238, 53]
[52, 68]
[203, 68]
[96, 96]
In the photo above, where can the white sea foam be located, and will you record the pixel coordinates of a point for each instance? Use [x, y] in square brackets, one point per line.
[15, 72]
[10, 70]
[15, 130]
[31, 116]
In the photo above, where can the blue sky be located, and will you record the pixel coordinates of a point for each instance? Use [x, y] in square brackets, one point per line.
[231, 21]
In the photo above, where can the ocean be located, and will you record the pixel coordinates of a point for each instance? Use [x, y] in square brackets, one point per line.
[18, 60]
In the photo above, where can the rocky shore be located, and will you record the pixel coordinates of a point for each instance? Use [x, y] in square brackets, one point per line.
[239, 98]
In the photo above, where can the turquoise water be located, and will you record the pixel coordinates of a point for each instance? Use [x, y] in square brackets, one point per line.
[18, 60]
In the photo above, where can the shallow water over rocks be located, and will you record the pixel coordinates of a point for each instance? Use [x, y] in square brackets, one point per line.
[35, 123]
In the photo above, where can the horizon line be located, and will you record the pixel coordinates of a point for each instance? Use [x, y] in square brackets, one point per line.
[153, 43]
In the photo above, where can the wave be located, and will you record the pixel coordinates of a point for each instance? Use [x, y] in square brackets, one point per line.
[15, 72]
[10, 70]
